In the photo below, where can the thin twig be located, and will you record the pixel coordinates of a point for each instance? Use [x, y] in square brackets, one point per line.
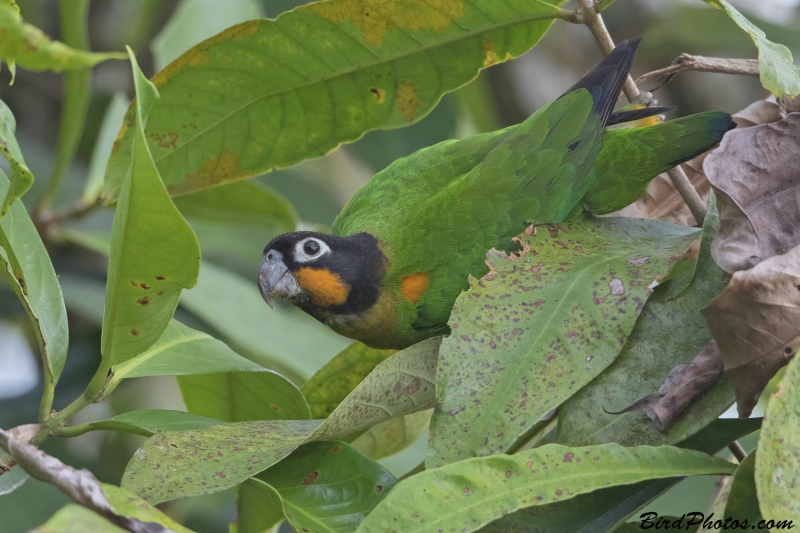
[594, 21]
[737, 450]
[687, 62]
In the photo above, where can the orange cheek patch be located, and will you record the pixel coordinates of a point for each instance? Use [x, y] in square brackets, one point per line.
[324, 287]
[414, 286]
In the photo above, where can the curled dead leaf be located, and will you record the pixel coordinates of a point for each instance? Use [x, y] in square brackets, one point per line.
[756, 322]
[683, 385]
[754, 172]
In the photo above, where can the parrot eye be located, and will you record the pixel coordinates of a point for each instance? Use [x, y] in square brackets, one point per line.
[310, 249]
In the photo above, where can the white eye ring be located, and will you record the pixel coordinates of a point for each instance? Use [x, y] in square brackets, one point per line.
[301, 256]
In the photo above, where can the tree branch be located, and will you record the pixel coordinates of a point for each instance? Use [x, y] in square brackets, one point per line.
[594, 21]
[80, 485]
[687, 62]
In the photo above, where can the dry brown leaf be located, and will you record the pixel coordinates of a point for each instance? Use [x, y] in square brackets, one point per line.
[754, 172]
[756, 322]
[683, 385]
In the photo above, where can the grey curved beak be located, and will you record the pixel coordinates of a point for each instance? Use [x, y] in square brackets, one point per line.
[275, 280]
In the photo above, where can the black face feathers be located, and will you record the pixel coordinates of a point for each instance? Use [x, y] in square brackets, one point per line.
[356, 260]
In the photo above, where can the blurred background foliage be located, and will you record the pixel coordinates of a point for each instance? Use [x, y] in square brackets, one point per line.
[159, 31]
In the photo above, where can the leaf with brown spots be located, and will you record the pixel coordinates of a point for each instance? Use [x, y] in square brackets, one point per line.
[189, 463]
[472, 493]
[380, 64]
[756, 322]
[328, 487]
[21, 176]
[149, 239]
[540, 326]
[777, 469]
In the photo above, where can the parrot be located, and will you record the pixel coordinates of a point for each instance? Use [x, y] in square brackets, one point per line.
[404, 246]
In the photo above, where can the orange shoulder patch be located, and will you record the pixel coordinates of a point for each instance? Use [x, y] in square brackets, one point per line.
[325, 287]
[414, 286]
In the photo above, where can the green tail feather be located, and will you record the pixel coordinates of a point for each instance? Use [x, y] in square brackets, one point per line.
[630, 158]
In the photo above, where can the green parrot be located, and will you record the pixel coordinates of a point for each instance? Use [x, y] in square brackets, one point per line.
[405, 244]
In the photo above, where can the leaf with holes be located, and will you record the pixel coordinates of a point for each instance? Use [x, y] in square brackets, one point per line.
[26, 264]
[651, 352]
[540, 326]
[166, 466]
[154, 253]
[471, 493]
[256, 97]
[328, 487]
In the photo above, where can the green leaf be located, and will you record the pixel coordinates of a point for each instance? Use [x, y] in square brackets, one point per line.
[166, 465]
[742, 501]
[240, 396]
[197, 20]
[778, 454]
[29, 47]
[27, 267]
[154, 253]
[651, 352]
[333, 382]
[778, 73]
[130, 506]
[183, 351]
[244, 203]
[73, 518]
[540, 326]
[149, 421]
[279, 338]
[21, 176]
[115, 112]
[259, 507]
[328, 487]
[604, 509]
[392, 436]
[280, 101]
[474, 492]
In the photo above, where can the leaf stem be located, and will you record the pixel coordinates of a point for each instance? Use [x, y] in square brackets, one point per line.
[46, 405]
[78, 84]
[594, 21]
[737, 450]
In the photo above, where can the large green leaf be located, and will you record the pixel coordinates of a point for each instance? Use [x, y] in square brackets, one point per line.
[778, 73]
[166, 466]
[29, 47]
[778, 454]
[474, 492]
[183, 351]
[651, 352]
[283, 337]
[540, 326]
[604, 509]
[742, 501]
[21, 176]
[154, 253]
[240, 396]
[328, 487]
[149, 421]
[27, 267]
[257, 97]
[333, 382]
[73, 518]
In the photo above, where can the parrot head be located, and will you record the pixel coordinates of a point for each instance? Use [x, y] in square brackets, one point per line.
[322, 274]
